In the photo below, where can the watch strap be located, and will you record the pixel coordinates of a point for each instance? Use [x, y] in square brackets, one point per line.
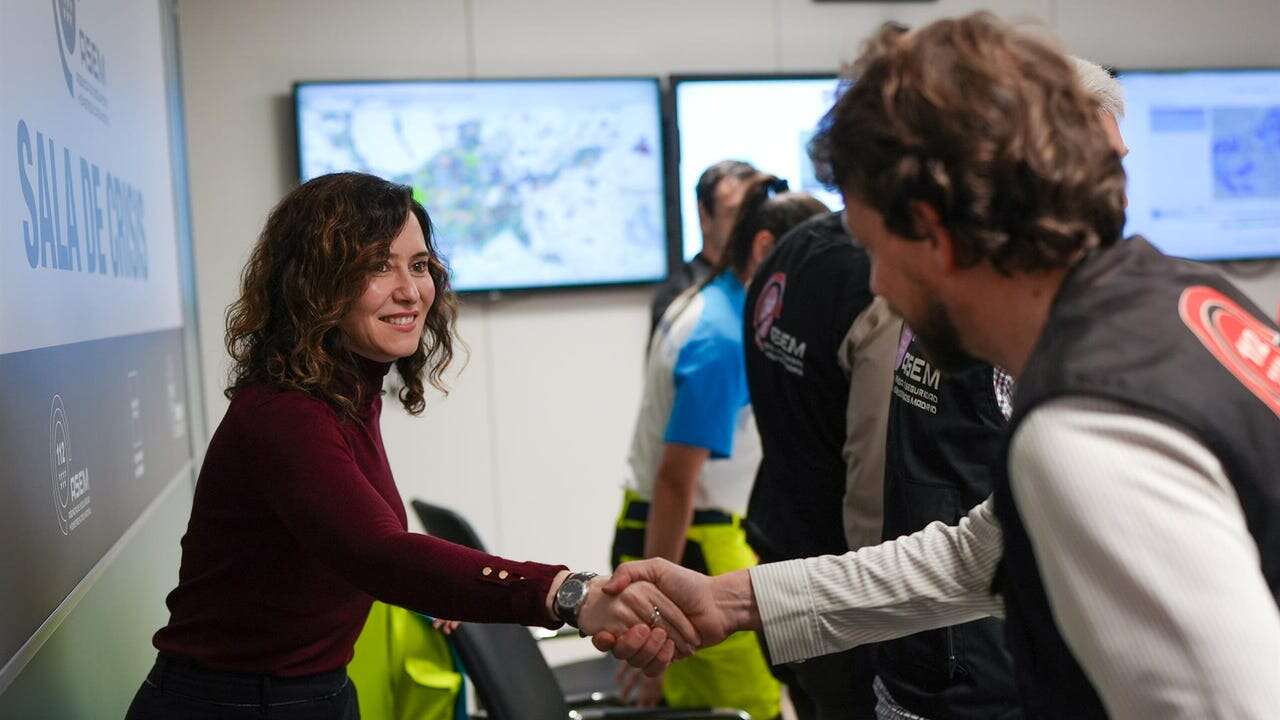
[569, 613]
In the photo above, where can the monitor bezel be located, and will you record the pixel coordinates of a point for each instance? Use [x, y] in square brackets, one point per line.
[497, 292]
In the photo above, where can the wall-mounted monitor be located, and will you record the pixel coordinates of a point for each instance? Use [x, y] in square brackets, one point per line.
[1204, 161]
[766, 120]
[529, 183]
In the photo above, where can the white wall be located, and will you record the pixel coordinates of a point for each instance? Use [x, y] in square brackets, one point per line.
[530, 445]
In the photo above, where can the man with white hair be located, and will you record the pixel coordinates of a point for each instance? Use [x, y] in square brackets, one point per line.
[1109, 95]
[1133, 540]
[944, 440]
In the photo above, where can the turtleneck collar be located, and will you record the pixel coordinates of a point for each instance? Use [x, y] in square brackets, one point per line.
[371, 373]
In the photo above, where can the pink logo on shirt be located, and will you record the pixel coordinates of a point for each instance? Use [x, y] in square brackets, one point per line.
[903, 343]
[769, 307]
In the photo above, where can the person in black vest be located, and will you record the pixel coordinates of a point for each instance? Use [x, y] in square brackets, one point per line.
[1134, 536]
[819, 351]
[719, 195]
[945, 437]
[945, 440]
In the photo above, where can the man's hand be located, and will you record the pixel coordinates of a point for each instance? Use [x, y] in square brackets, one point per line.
[669, 634]
[716, 607]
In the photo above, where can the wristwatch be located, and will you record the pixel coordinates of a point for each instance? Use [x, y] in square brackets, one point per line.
[570, 596]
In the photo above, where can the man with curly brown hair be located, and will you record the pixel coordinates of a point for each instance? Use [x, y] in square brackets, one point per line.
[1133, 542]
[945, 439]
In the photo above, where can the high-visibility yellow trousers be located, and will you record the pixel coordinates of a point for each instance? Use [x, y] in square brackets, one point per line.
[734, 673]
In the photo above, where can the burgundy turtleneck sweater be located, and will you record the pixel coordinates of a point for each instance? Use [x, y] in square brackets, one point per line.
[297, 526]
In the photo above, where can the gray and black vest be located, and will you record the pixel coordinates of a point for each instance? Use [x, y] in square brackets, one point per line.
[945, 437]
[1170, 339]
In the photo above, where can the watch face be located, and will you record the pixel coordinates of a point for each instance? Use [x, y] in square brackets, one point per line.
[570, 593]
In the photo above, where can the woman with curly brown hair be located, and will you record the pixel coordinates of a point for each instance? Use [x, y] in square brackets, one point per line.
[297, 525]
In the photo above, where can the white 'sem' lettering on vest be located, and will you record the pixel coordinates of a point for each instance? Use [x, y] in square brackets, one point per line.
[914, 380]
[918, 369]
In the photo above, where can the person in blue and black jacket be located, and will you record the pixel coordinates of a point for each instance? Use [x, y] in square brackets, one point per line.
[695, 451]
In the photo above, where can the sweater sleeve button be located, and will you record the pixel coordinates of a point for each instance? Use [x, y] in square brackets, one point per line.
[502, 574]
[487, 571]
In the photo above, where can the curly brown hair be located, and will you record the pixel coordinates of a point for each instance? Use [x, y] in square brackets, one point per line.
[990, 127]
[311, 263]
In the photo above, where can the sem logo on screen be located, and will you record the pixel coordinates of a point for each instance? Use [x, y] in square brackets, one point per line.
[84, 65]
[70, 486]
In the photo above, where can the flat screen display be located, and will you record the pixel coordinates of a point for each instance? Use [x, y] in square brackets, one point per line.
[1204, 161]
[766, 121]
[529, 183]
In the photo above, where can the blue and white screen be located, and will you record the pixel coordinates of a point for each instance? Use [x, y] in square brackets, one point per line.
[766, 122]
[528, 183]
[1204, 161]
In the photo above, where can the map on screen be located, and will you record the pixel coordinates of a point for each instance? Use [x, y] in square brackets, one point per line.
[1246, 152]
[1204, 161]
[528, 183]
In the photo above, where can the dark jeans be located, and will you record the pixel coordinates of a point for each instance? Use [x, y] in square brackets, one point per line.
[831, 687]
[178, 688]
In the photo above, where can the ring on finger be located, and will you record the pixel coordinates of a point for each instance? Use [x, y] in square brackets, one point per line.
[655, 616]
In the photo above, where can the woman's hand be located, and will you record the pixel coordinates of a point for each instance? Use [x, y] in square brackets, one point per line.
[642, 605]
[445, 626]
[716, 606]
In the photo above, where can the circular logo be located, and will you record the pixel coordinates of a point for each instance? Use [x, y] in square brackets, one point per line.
[64, 26]
[904, 343]
[1244, 345]
[60, 461]
[769, 306]
[66, 10]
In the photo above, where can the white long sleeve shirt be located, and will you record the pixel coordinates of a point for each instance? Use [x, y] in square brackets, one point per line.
[1152, 576]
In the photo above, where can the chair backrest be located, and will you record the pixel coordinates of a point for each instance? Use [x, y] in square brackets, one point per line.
[446, 525]
[511, 676]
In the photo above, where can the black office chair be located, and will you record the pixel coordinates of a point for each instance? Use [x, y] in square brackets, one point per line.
[446, 525]
[514, 682]
[582, 683]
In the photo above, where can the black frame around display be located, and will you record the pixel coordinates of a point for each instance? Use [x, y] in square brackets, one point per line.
[669, 137]
[664, 177]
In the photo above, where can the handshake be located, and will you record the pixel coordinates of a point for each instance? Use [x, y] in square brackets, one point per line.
[651, 613]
